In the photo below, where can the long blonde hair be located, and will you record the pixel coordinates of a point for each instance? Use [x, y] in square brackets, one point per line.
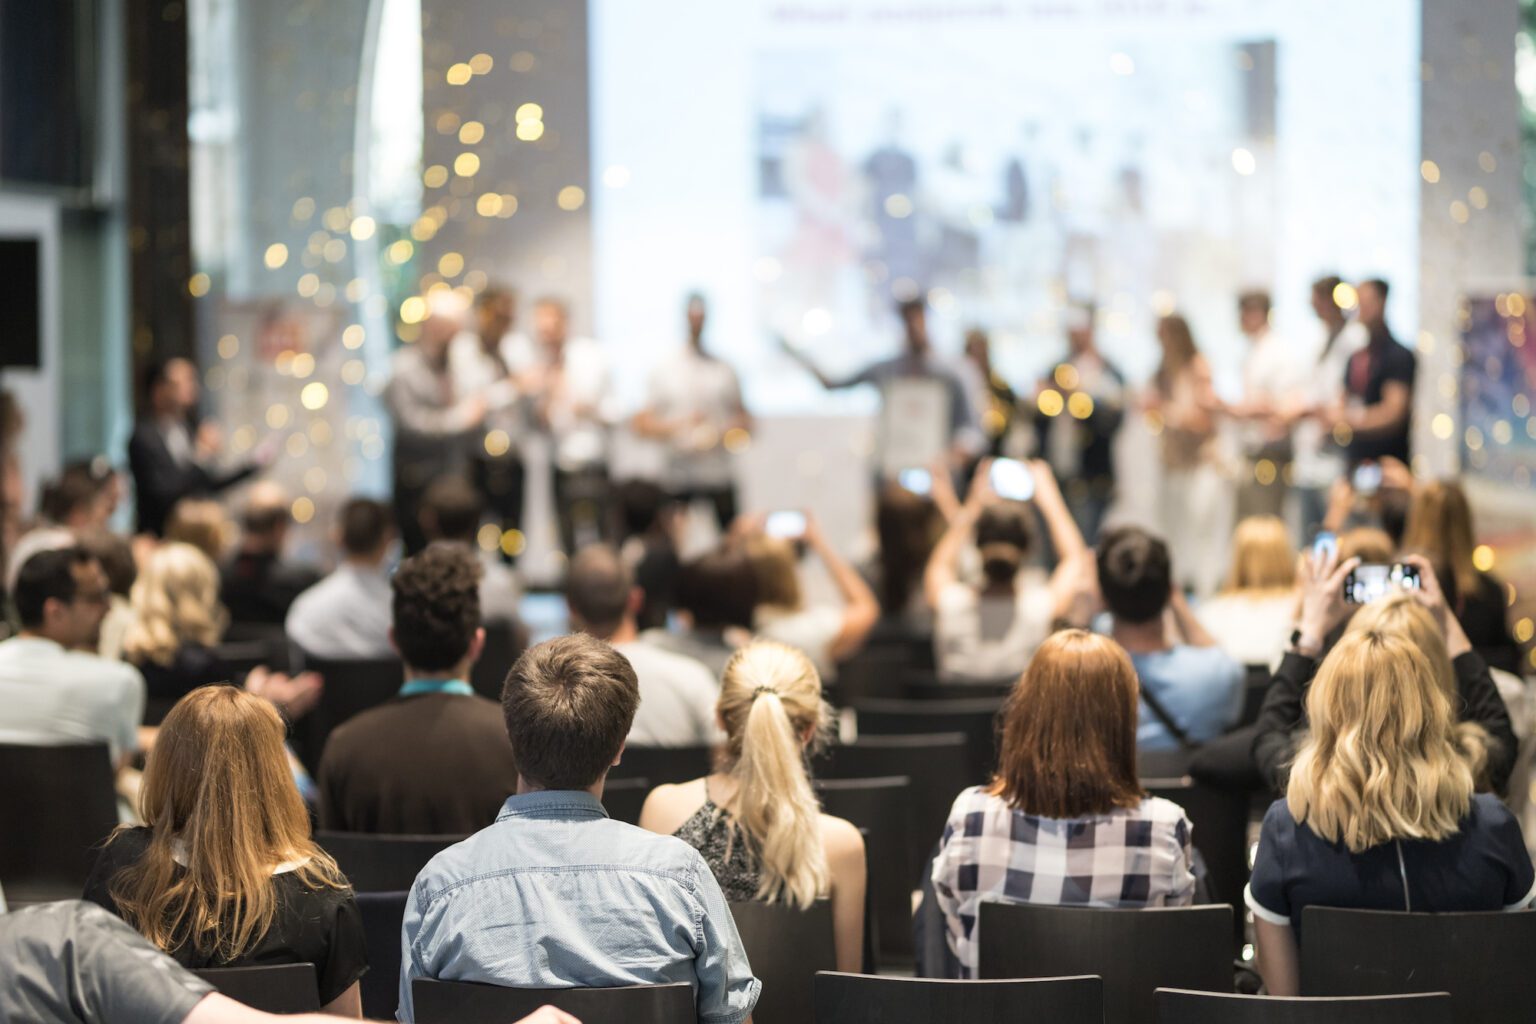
[1439, 527]
[218, 794]
[1381, 761]
[770, 699]
[1262, 558]
[175, 604]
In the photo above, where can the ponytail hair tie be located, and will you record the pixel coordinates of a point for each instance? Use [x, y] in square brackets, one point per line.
[759, 691]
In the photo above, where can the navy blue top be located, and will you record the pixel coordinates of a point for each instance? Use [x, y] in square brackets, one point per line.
[1484, 866]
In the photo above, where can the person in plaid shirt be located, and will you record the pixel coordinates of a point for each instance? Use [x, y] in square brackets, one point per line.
[1066, 820]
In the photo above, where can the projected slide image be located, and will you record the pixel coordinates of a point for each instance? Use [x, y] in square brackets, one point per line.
[1498, 379]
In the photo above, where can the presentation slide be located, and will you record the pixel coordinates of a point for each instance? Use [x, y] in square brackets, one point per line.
[805, 165]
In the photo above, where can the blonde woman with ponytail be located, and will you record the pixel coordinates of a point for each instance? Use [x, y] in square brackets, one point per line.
[756, 821]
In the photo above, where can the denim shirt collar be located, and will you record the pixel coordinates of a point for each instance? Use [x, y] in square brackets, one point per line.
[570, 804]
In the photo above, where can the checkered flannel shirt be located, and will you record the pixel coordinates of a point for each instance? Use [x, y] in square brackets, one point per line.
[1133, 857]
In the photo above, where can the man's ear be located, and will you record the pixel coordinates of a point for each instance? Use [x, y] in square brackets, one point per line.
[620, 755]
[392, 644]
[636, 601]
[476, 645]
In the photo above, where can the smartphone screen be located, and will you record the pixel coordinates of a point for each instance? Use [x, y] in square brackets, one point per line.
[918, 481]
[1372, 582]
[787, 523]
[1326, 544]
[1367, 479]
[1011, 479]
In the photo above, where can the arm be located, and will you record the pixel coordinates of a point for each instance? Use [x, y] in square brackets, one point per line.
[1188, 626]
[860, 608]
[421, 417]
[811, 368]
[217, 1009]
[1279, 961]
[348, 1004]
[1389, 413]
[846, 863]
[940, 572]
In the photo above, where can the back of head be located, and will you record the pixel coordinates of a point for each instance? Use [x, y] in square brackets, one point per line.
[1262, 558]
[778, 578]
[1069, 730]
[598, 587]
[641, 505]
[266, 514]
[1381, 761]
[1003, 537]
[218, 789]
[47, 574]
[115, 554]
[175, 604]
[908, 526]
[568, 704]
[1370, 545]
[366, 527]
[436, 606]
[200, 522]
[770, 703]
[1439, 527]
[451, 509]
[718, 589]
[1135, 574]
[1324, 290]
[76, 492]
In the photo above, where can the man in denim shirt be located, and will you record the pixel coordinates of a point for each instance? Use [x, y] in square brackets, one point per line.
[556, 895]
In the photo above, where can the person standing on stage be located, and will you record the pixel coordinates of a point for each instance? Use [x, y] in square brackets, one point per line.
[432, 419]
[480, 360]
[567, 379]
[992, 395]
[1319, 458]
[694, 401]
[1273, 376]
[1079, 409]
[172, 453]
[1377, 410]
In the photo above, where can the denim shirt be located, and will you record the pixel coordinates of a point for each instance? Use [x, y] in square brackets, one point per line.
[557, 895]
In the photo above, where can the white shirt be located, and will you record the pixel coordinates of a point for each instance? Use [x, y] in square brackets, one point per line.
[1253, 629]
[501, 592]
[1319, 461]
[476, 372]
[345, 615]
[990, 639]
[809, 630]
[677, 698]
[582, 407]
[51, 696]
[1275, 372]
[691, 386]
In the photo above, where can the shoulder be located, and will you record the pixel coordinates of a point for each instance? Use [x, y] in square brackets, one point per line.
[840, 836]
[667, 807]
[1488, 814]
[1161, 810]
[957, 597]
[975, 800]
[103, 670]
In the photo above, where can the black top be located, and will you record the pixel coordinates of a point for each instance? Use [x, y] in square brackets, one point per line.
[159, 481]
[1484, 617]
[1284, 715]
[192, 666]
[1097, 459]
[725, 849]
[1483, 867]
[1384, 361]
[258, 588]
[431, 764]
[656, 576]
[313, 926]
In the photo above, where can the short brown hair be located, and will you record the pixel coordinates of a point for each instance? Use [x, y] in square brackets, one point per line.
[1069, 730]
[451, 509]
[568, 703]
[436, 605]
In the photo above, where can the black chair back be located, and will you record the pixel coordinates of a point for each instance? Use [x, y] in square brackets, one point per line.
[271, 988]
[623, 798]
[381, 863]
[976, 717]
[944, 771]
[383, 914]
[1482, 960]
[57, 803]
[504, 641]
[664, 765]
[351, 686]
[1220, 821]
[238, 657]
[1255, 686]
[877, 671]
[464, 1002]
[881, 809]
[1176, 1006]
[786, 947]
[927, 686]
[865, 999]
[1134, 951]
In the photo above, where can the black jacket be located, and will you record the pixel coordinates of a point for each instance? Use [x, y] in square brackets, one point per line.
[160, 481]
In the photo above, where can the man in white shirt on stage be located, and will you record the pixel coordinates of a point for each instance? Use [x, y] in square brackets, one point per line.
[1273, 375]
[480, 359]
[1319, 457]
[694, 402]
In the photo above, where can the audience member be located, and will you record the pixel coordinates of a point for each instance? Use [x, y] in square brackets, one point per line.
[81, 498]
[1324, 611]
[677, 693]
[115, 554]
[651, 524]
[224, 871]
[827, 633]
[907, 527]
[177, 625]
[434, 760]
[12, 485]
[51, 690]
[716, 598]
[986, 631]
[346, 615]
[1192, 689]
[451, 511]
[1380, 811]
[605, 903]
[756, 820]
[35, 541]
[258, 583]
[202, 523]
[1252, 616]
[1053, 828]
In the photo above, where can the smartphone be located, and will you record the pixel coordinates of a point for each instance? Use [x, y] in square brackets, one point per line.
[1012, 479]
[1324, 545]
[1368, 583]
[918, 481]
[1367, 479]
[786, 523]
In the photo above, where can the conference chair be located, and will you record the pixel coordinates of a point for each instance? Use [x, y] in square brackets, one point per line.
[1176, 1006]
[1134, 951]
[382, 863]
[974, 716]
[272, 988]
[928, 686]
[504, 642]
[238, 657]
[465, 1002]
[623, 798]
[383, 914]
[877, 670]
[1483, 960]
[56, 806]
[881, 809]
[786, 947]
[352, 686]
[664, 765]
[1219, 818]
[866, 999]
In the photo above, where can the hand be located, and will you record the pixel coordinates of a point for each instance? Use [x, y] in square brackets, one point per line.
[1395, 475]
[210, 439]
[1045, 479]
[295, 695]
[1429, 593]
[813, 536]
[1322, 598]
[981, 492]
[474, 409]
[745, 525]
[1341, 501]
[548, 1015]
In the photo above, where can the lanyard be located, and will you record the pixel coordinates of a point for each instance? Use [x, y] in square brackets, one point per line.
[454, 686]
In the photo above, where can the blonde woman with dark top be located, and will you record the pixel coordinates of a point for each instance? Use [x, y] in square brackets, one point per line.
[177, 624]
[224, 872]
[1251, 619]
[756, 820]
